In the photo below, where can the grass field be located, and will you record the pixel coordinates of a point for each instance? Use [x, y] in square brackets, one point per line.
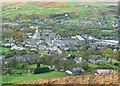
[63, 7]
[4, 49]
[106, 63]
[78, 20]
[43, 52]
[28, 78]
[93, 65]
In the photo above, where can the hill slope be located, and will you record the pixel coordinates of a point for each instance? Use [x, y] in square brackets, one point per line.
[15, 9]
[82, 79]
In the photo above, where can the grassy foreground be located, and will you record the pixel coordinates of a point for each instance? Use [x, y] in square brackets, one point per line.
[32, 77]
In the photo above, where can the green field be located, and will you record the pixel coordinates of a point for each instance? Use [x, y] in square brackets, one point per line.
[78, 20]
[93, 65]
[107, 63]
[28, 78]
[30, 8]
[43, 52]
[4, 49]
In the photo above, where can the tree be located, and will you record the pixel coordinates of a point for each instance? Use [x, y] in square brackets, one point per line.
[41, 70]
[9, 71]
[34, 51]
[84, 65]
[38, 65]
[8, 54]
[72, 57]
[14, 63]
[23, 52]
[108, 53]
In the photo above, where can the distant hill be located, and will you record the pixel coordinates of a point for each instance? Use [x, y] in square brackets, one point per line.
[82, 79]
[13, 10]
[52, 4]
[63, 0]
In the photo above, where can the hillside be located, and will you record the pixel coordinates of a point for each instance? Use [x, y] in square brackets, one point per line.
[14, 9]
[65, 0]
[82, 79]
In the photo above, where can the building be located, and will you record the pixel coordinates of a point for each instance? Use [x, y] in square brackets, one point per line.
[105, 71]
[75, 70]
[78, 60]
[103, 59]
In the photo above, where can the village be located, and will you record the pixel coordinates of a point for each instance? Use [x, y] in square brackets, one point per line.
[54, 44]
[71, 39]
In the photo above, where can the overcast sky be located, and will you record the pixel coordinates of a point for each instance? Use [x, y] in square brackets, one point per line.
[60, 0]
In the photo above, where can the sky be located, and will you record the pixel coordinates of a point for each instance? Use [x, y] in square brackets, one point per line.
[60, 0]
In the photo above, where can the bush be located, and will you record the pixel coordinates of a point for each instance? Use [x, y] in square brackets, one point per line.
[41, 70]
[9, 71]
[8, 54]
[116, 64]
[21, 66]
[37, 70]
[38, 65]
[34, 51]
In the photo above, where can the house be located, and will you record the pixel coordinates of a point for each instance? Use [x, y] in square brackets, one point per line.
[93, 61]
[69, 41]
[40, 23]
[84, 6]
[33, 48]
[77, 70]
[80, 18]
[74, 71]
[26, 58]
[32, 27]
[80, 39]
[97, 43]
[57, 51]
[103, 59]
[68, 72]
[67, 56]
[93, 56]
[6, 45]
[111, 59]
[78, 60]
[52, 68]
[17, 48]
[112, 42]
[42, 47]
[105, 71]
[10, 24]
[115, 50]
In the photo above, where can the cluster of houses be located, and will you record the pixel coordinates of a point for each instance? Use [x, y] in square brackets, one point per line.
[10, 24]
[98, 21]
[94, 22]
[49, 41]
[80, 70]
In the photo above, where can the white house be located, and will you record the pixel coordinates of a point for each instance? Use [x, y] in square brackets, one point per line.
[78, 60]
[68, 71]
[105, 71]
[17, 48]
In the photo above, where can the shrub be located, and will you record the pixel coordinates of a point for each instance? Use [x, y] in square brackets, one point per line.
[37, 70]
[116, 64]
[21, 66]
[38, 65]
[8, 54]
[9, 71]
[41, 70]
